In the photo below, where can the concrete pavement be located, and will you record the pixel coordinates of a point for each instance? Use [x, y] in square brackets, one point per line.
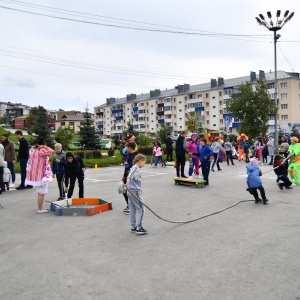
[247, 252]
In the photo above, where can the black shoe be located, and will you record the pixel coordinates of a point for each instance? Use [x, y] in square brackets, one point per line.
[280, 185]
[141, 231]
[178, 176]
[219, 169]
[20, 187]
[270, 164]
[183, 176]
[212, 170]
[288, 187]
[258, 200]
[265, 201]
[28, 187]
[206, 183]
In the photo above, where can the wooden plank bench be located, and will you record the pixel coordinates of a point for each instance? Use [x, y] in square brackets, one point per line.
[190, 182]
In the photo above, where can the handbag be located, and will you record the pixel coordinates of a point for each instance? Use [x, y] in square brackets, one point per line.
[122, 189]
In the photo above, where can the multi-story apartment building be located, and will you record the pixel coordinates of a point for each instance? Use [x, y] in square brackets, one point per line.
[207, 101]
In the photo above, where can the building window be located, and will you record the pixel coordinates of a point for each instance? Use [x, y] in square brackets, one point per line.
[284, 106]
[214, 106]
[71, 123]
[214, 125]
[272, 96]
[179, 102]
[174, 99]
[220, 94]
[206, 104]
[284, 117]
[185, 106]
[220, 103]
[207, 122]
[200, 95]
[185, 98]
[283, 96]
[214, 116]
[207, 113]
[283, 85]
[221, 121]
[62, 123]
[214, 97]
[221, 112]
[271, 85]
[206, 95]
[151, 105]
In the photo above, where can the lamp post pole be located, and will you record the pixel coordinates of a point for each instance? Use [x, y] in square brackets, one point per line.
[275, 26]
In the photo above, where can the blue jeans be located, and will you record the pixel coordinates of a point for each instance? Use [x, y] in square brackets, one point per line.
[11, 167]
[23, 166]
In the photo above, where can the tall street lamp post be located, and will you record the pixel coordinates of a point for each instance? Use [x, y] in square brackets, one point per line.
[275, 26]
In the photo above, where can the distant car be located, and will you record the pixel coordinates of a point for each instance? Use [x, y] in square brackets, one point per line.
[74, 145]
[105, 144]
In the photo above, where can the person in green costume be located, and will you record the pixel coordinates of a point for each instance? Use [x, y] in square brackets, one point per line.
[294, 166]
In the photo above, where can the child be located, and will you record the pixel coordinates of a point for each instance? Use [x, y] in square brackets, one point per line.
[74, 169]
[153, 158]
[130, 148]
[264, 153]
[254, 182]
[6, 177]
[193, 146]
[59, 161]
[134, 184]
[228, 148]
[158, 155]
[280, 171]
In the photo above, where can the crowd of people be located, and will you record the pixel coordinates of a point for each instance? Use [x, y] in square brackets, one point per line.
[36, 171]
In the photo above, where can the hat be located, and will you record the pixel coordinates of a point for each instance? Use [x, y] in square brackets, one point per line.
[253, 161]
[194, 135]
[295, 139]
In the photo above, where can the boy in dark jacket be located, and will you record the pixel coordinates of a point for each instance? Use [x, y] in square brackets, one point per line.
[280, 171]
[74, 169]
[254, 182]
[58, 169]
[130, 147]
[169, 143]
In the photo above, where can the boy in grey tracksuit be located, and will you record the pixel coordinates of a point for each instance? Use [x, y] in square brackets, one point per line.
[216, 148]
[134, 184]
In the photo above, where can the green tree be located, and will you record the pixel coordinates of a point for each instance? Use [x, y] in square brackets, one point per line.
[89, 138]
[163, 132]
[3, 119]
[252, 107]
[64, 136]
[144, 140]
[193, 119]
[38, 125]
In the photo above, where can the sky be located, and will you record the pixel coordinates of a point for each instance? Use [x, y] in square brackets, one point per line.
[74, 54]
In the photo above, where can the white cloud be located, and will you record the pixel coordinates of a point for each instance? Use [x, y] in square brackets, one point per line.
[23, 83]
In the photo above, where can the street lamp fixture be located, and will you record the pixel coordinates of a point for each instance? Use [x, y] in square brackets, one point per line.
[274, 26]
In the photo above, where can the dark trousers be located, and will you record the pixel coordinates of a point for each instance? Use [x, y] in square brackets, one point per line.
[205, 168]
[169, 154]
[125, 194]
[253, 191]
[180, 163]
[229, 156]
[1, 179]
[247, 157]
[216, 155]
[11, 167]
[23, 166]
[80, 177]
[285, 179]
[60, 182]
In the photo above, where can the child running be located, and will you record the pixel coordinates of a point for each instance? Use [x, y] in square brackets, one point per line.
[254, 182]
[158, 155]
[134, 184]
[280, 171]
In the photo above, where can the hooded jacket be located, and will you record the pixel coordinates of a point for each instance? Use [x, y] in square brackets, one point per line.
[59, 168]
[71, 169]
[253, 179]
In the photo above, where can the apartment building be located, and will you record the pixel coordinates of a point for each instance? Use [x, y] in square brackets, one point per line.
[206, 101]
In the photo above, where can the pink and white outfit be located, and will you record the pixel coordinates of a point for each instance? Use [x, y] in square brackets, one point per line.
[38, 172]
[193, 148]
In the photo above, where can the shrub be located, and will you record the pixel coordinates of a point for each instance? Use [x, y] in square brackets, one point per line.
[79, 153]
[146, 150]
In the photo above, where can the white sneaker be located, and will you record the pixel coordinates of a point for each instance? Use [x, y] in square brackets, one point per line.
[190, 177]
[11, 185]
[199, 176]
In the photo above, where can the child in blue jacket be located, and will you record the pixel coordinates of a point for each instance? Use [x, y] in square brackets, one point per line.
[254, 182]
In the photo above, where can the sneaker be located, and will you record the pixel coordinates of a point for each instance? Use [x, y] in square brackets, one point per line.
[258, 200]
[12, 185]
[133, 229]
[280, 186]
[199, 176]
[20, 187]
[141, 231]
[288, 187]
[126, 211]
[265, 201]
[154, 166]
[219, 169]
[190, 177]
[183, 176]
[43, 211]
[28, 187]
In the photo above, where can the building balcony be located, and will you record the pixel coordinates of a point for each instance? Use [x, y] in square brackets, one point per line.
[159, 113]
[115, 111]
[99, 113]
[161, 105]
[168, 120]
[161, 121]
[138, 122]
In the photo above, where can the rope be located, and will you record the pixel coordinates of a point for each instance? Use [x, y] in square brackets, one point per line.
[189, 221]
[283, 161]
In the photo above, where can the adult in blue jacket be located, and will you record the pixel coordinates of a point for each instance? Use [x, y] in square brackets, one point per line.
[205, 154]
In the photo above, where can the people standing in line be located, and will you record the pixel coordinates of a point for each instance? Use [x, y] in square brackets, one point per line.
[204, 154]
[228, 149]
[10, 157]
[271, 149]
[130, 148]
[58, 169]
[254, 181]
[169, 146]
[216, 147]
[193, 147]
[158, 156]
[2, 155]
[181, 150]
[23, 155]
[6, 177]
[280, 171]
[134, 184]
[294, 166]
[39, 172]
[264, 153]
[74, 169]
